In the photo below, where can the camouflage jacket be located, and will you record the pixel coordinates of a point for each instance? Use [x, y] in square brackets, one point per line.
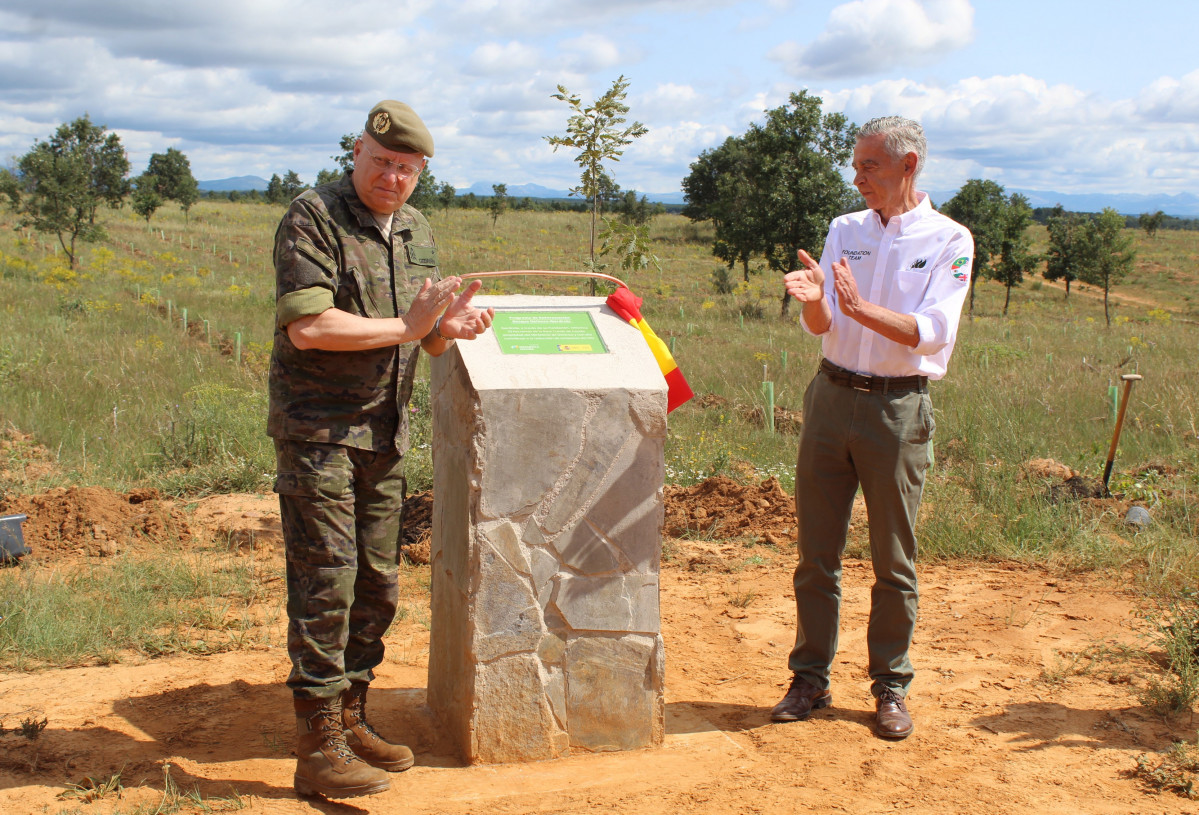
[329, 252]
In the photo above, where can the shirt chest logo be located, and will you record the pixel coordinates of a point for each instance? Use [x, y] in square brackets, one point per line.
[919, 263]
[856, 254]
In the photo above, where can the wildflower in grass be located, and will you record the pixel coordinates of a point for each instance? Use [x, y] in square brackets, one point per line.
[61, 278]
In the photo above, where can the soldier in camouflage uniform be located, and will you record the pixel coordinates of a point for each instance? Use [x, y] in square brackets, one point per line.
[358, 294]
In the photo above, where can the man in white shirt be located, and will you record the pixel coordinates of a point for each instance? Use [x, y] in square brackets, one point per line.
[885, 300]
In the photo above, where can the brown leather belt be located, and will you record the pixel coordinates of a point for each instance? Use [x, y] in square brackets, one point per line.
[872, 384]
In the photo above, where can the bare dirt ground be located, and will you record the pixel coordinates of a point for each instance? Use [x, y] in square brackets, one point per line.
[1016, 706]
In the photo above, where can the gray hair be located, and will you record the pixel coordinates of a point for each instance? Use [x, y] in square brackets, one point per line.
[903, 136]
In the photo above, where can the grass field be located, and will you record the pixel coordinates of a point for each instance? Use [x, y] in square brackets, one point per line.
[97, 365]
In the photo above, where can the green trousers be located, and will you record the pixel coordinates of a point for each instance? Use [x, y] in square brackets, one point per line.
[881, 442]
[340, 511]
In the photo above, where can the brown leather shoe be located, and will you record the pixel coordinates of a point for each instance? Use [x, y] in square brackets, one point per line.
[364, 740]
[891, 719]
[325, 765]
[802, 698]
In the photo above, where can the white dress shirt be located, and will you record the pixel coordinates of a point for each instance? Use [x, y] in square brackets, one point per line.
[918, 264]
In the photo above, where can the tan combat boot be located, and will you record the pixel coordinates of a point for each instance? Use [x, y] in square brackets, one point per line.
[362, 738]
[325, 764]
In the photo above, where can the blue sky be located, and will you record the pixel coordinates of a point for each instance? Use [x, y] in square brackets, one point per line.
[1057, 95]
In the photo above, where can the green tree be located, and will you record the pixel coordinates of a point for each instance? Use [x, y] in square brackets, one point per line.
[175, 180]
[61, 183]
[274, 190]
[718, 190]
[1110, 255]
[1066, 254]
[1151, 223]
[283, 190]
[630, 242]
[980, 206]
[599, 135]
[498, 204]
[610, 193]
[327, 177]
[637, 211]
[10, 185]
[447, 196]
[1015, 257]
[424, 194]
[794, 182]
[345, 159]
[292, 185]
[145, 197]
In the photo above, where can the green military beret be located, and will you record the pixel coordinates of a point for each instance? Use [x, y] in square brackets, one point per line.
[397, 127]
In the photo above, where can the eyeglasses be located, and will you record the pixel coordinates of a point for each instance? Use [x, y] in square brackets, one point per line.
[404, 171]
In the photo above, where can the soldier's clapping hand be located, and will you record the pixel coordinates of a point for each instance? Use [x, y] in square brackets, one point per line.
[429, 303]
[463, 321]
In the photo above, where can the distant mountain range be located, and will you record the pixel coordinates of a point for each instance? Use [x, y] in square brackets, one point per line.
[1183, 205]
[243, 183]
[483, 188]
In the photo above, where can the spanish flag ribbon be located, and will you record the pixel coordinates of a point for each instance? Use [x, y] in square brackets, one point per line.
[628, 307]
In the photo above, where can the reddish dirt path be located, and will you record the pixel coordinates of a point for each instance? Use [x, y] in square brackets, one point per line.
[1002, 722]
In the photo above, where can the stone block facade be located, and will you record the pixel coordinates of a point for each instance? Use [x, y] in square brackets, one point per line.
[546, 541]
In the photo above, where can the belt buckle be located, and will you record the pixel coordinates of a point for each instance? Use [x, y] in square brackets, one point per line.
[860, 382]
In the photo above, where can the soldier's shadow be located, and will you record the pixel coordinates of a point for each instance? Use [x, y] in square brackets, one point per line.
[202, 725]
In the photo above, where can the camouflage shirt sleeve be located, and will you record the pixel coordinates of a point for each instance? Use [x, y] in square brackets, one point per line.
[305, 266]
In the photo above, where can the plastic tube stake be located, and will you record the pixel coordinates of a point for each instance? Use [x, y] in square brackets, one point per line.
[768, 398]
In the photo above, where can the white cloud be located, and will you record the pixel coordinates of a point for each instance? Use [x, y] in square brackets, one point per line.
[669, 100]
[265, 86]
[1171, 100]
[524, 18]
[1027, 133]
[495, 59]
[866, 37]
[589, 53]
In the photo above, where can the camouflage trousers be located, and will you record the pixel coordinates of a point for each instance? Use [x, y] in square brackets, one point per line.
[340, 509]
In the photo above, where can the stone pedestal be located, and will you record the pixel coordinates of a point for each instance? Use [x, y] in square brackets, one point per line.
[548, 472]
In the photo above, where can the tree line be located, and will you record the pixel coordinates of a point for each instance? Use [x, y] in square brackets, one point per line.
[768, 193]
[59, 186]
[1093, 249]
[774, 190]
